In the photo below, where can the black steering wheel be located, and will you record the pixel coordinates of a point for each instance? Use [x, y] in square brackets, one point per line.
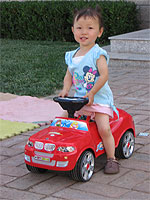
[71, 104]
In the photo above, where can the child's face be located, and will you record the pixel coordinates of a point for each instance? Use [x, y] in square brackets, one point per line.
[86, 30]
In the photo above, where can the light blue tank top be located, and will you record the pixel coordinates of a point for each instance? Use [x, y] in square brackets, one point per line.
[85, 74]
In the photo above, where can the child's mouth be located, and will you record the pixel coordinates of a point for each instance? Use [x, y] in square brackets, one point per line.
[83, 39]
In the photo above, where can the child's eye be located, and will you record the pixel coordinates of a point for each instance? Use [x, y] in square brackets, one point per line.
[78, 27]
[90, 27]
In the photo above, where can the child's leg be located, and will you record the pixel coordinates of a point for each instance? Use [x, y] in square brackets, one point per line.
[102, 121]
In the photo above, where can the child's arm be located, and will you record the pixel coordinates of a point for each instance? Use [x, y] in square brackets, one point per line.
[103, 71]
[67, 84]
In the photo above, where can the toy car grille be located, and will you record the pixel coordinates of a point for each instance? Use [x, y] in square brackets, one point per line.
[44, 154]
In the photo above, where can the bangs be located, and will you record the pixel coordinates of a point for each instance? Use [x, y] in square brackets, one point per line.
[89, 12]
[85, 14]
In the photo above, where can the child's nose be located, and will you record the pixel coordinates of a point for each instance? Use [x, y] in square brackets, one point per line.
[84, 31]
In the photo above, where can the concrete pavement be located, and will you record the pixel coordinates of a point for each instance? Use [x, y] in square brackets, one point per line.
[131, 88]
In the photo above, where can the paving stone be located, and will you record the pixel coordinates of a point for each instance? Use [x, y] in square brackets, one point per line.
[3, 158]
[132, 89]
[136, 165]
[142, 107]
[100, 189]
[141, 128]
[100, 177]
[139, 118]
[124, 106]
[138, 94]
[100, 162]
[98, 168]
[132, 81]
[52, 198]
[23, 166]
[129, 100]
[142, 157]
[121, 93]
[13, 171]
[13, 194]
[75, 194]
[19, 147]
[145, 149]
[130, 179]
[138, 112]
[142, 140]
[6, 179]
[29, 180]
[14, 161]
[146, 103]
[145, 122]
[13, 140]
[52, 185]
[3, 199]
[143, 186]
[148, 131]
[133, 195]
[137, 146]
[8, 151]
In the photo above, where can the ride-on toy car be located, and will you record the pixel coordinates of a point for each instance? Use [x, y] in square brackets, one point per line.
[72, 144]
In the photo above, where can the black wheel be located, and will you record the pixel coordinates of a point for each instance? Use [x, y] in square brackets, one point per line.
[35, 169]
[126, 145]
[84, 168]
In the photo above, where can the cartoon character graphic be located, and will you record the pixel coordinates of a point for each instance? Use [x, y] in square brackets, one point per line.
[58, 123]
[86, 80]
[89, 77]
[100, 146]
[77, 80]
[74, 125]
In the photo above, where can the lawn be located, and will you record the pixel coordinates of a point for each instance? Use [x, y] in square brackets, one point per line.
[34, 68]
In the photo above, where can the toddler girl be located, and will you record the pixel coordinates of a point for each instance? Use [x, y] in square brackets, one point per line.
[88, 71]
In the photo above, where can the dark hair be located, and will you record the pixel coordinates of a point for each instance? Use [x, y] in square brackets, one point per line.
[89, 12]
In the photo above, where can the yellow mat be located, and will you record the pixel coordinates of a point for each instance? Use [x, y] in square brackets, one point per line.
[9, 128]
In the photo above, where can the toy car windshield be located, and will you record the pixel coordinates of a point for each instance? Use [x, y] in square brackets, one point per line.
[78, 125]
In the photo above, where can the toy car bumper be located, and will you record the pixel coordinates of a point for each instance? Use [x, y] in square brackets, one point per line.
[50, 161]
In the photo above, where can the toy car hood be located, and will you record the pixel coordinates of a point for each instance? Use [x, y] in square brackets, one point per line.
[63, 130]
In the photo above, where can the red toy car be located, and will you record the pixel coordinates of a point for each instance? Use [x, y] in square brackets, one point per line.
[72, 144]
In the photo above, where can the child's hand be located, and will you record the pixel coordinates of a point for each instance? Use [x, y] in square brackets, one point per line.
[63, 93]
[90, 95]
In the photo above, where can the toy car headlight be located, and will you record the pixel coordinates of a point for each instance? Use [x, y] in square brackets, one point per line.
[49, 147]
[29, 143]
[66, 149]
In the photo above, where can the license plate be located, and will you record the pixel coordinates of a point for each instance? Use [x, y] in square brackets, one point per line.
[42, 158]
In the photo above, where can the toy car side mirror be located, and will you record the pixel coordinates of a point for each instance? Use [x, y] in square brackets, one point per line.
[71, 104]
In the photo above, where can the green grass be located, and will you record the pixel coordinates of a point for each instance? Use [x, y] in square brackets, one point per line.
[34, 68]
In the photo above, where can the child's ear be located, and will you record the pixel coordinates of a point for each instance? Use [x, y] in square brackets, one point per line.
[72, 28]
[100, 32]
